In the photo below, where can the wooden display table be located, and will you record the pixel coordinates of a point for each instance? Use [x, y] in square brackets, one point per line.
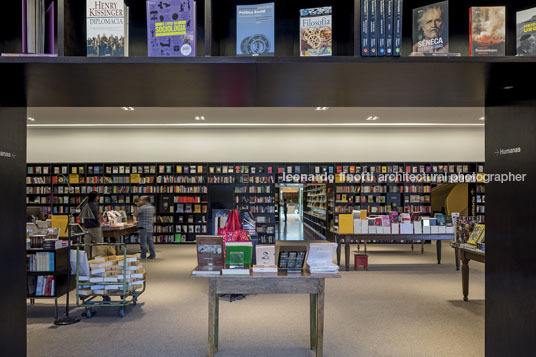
[280, 283]
[467, 254]
[117, 233]
[347, 239]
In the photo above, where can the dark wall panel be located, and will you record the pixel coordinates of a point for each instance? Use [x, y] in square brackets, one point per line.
[511, 246]
[12, 238]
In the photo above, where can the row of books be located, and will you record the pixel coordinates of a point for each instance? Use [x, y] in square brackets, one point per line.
[381, 27]
[42, 285]
[40, 261]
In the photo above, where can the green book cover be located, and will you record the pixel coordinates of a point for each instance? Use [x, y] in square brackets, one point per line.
[177, 238]
[238, 253]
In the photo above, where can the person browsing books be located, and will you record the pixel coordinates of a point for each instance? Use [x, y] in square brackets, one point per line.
[92, 225]
[145, 216]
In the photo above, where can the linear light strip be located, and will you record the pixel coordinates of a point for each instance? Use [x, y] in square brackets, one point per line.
[138, 125]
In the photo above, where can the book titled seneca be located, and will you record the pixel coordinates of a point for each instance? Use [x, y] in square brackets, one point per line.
[107, 28]
[431, 28]
[316, 36]
[488, 35]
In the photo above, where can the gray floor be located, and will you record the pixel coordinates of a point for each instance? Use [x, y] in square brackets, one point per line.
[405, 305]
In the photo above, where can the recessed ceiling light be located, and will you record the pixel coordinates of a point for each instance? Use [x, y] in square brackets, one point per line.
[322, 108]
[372, 118]
[508, 87]
[127, 109]
[482, 118]
[31, 119]
[199, 117]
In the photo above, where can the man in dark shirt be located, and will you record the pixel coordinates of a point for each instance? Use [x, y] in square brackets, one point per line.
[92, 225]
[145, 216]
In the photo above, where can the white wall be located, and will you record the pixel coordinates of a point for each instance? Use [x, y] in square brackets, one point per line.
[256, 145]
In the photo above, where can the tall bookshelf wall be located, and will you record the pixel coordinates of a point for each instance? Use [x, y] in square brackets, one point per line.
[179, 191]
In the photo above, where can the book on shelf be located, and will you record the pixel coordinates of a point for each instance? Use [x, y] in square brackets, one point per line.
[255, 30]
[320, 258]
[389, 23]
[430, 28]
[316, 35]
[487, 31]
[373, 29]
[380, 8]
[107, 28]
[477, 235]
[526, 32]
[365, 40]
[265, 255]
[238, 254]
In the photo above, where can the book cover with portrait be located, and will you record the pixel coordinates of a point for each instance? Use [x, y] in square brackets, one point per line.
[488, 31]
[255, 30]
[430, 28]
[171, 28]
[107, 28]
[316, 35]
[526, 32]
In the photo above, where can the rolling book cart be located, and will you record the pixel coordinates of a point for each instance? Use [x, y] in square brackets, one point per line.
[121, 293]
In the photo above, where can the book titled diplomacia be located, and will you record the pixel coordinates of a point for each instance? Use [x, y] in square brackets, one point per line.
[107, 28]
[171, 28]
[316, 35]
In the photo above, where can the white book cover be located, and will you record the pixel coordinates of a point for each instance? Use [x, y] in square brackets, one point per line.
[265, 255]
[107, 28]
[321, 254]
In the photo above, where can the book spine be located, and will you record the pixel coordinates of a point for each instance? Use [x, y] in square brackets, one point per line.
[373, 27]
[397, 19]
[365, 45]
[470, 31]
[388, 27]
[380, 21]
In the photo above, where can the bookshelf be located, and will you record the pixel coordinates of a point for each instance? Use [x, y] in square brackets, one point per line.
[46, 274]
[180, 191]
[316, 207]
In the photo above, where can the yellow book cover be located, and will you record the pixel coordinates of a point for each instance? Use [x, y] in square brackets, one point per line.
[363, 214]
[384, 169]
[74, 179]
[179, 169]
[476, 235]
[340, 178]
[134, 178]
[200, 169]
[197, 208]
[60, 221]
[346, 223]
[343, 198]
[74, 170]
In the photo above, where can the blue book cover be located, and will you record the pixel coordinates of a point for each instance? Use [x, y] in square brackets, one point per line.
[373, 28]
[397, 28]
[255, 30]
[365, 28]
[380, 20]
[51, 262]
[171, 28]
[388, 27]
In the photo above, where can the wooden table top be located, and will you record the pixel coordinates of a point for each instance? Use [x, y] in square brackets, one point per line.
[373, 236]
[279, 274]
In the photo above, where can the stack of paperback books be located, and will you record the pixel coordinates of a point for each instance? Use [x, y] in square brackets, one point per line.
[381, 27]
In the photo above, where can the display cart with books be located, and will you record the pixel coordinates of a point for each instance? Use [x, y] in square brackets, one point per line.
[108, 280]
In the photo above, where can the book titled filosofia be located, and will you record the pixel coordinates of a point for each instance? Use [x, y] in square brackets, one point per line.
[316, 36]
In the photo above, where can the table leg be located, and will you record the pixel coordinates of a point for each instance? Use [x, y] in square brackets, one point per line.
[312, 319]
[438, 248]
[212, 303]
[347, 254]
[457, 257]
[422, 246]
[365, 244]
[465, 278]
[412, 246]
[320, 320]
[217, 323]
[338, 252]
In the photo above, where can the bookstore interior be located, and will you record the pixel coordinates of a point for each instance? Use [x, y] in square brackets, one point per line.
[372, 154]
